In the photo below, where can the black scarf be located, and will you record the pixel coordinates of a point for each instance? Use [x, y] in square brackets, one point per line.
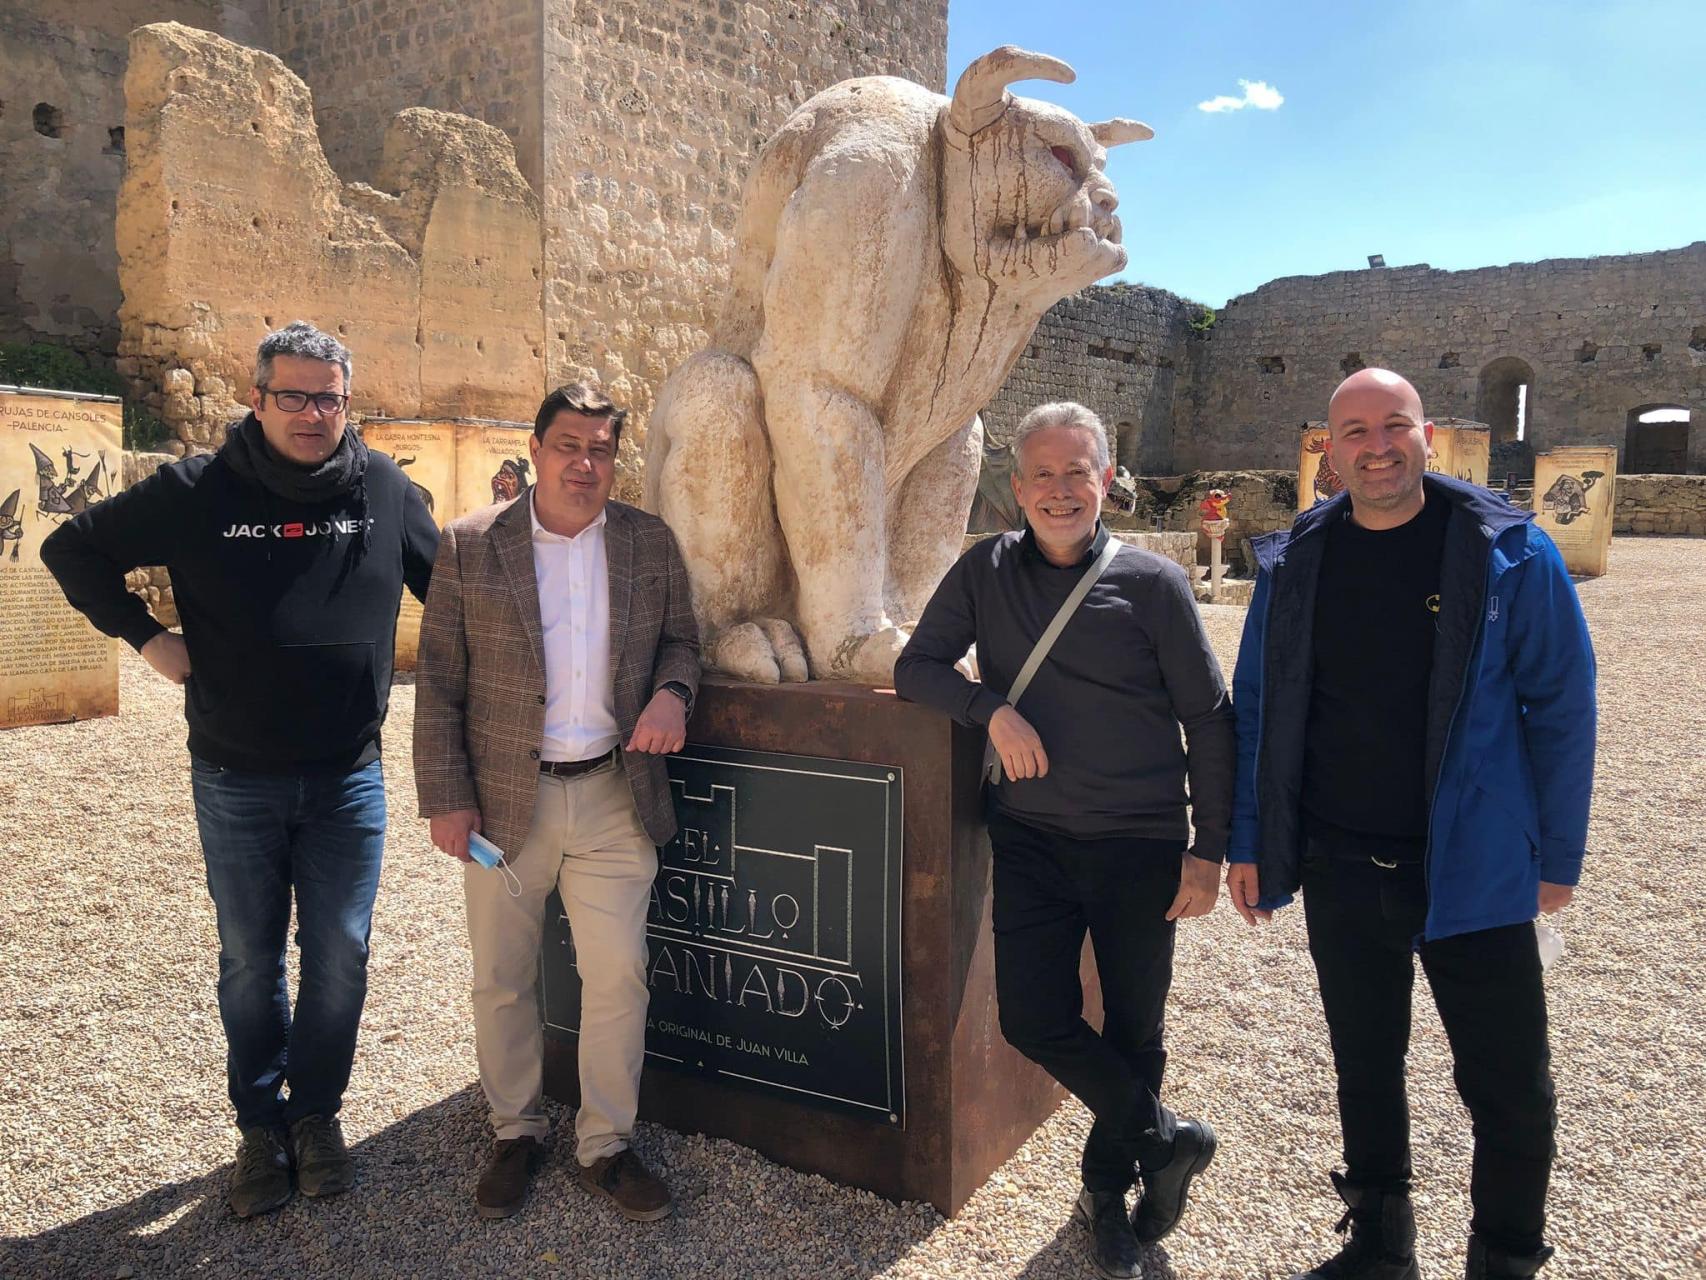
[247, 452]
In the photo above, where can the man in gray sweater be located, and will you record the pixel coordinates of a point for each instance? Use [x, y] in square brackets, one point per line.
[1089, 826]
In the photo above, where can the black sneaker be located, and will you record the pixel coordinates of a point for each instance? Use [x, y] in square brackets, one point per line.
[261, 1181]
[1488, 1263]
[323, 1164]
[1113, 1246]
[1165, 1190]
[1382, 1240]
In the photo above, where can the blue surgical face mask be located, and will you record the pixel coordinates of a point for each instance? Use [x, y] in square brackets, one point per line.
[491, 857]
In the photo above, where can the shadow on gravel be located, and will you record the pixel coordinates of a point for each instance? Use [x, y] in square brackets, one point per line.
[1067, 1257]
[410, 1214]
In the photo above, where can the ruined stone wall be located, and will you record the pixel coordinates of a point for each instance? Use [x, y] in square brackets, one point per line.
[231, 223]
[1123, 351]
[366, 60]
[62, 154]
[655, 110]
[1660, 504]
[1601, 337]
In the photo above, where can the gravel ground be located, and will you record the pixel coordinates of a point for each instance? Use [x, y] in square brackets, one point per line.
[116, 1140]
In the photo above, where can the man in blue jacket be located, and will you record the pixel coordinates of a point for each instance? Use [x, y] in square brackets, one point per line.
[1415, 705]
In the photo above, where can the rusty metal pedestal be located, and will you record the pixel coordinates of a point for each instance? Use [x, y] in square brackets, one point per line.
[971, 1100]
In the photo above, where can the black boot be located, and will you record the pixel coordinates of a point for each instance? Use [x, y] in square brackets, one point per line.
[1488, 1263]
[1382, 1241]
[1113, 1246]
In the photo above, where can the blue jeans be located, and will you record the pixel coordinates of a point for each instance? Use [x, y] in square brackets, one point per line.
[264, 835]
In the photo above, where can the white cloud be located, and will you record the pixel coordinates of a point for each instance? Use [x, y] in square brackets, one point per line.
[1257, 93]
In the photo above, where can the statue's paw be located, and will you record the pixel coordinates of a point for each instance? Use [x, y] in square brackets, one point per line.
[785, 645]
[870, 659]
[764, 651]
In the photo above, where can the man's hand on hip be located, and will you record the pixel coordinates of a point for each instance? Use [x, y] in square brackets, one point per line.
[1020, 749]
[169, 655]
[1199, 887]
[450, 831]
[662, 726]
[1554, 897]
[1243, 886]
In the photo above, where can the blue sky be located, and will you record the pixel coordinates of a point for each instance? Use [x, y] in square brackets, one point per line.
[1460, 133]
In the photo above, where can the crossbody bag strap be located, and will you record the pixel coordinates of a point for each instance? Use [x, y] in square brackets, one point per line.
[1045, 642]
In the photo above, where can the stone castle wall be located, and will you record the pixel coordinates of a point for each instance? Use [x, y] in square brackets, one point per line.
[655, 110]
[231, 223]
[479, 58]
[62, 154]
[1121, 350]
[1598, 336]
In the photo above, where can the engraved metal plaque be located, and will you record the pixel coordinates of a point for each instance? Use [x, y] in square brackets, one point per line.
[773, 931]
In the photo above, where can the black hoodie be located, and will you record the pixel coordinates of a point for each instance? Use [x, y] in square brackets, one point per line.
[290, 635]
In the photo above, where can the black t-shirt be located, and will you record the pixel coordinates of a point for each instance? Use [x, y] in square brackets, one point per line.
[1364, 759]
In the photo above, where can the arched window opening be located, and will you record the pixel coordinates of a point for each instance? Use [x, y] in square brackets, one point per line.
[1505, 401]
[1655, 441]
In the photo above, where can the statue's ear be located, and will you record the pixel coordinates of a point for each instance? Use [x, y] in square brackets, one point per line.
[1111, 133]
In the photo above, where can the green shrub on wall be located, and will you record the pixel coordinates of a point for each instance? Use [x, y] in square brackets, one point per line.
[40, 364]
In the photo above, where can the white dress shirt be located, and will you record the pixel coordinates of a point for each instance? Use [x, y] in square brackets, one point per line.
[574, 609]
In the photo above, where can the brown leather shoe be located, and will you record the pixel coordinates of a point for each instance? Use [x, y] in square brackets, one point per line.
[624, 1180]
[503, 1182]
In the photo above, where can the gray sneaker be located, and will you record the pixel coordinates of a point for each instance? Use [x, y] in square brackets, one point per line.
[261, 1182]
[323, 1164]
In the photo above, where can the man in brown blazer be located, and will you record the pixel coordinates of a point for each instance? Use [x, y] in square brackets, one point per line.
[559, 660]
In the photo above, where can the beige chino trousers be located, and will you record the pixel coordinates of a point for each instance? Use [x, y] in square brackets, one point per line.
[586, 840]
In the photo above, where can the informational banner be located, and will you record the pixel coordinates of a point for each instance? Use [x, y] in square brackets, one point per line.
[773, 932]
[1316, 479]
[1573, 501]
[59, 455]
[1459, 449]
[451, 466]
[426, 451]
[492, 464]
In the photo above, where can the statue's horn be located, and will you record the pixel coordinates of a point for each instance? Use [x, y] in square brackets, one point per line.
[1111, 133]
[981, 94]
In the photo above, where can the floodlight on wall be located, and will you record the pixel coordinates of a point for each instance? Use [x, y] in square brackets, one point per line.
[1377, 259]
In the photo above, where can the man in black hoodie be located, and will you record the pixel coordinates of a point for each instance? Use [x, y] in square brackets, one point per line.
[288, 551]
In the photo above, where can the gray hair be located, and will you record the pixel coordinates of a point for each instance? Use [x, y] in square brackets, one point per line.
[299, 338]
[1063, 413]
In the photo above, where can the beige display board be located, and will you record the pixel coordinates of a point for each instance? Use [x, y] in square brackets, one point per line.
[457, 467]
[1460, 451]
[1316, 479]
[492, 463]
[59, 455]
[1573, 501]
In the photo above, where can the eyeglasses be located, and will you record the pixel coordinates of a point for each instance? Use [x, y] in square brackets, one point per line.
[326, 402]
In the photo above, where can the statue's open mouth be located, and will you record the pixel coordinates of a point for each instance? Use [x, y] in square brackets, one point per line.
[1074, 215]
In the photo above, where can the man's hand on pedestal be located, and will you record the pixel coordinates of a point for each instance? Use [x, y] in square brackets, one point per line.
[662, 726]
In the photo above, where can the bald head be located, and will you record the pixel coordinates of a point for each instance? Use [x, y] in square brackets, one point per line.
[1381, 384]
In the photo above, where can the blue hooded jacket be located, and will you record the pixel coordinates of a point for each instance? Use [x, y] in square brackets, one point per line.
[1510, 719]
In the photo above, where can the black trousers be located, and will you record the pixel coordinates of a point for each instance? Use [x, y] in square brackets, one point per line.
[1049, 891]
[1363, 920]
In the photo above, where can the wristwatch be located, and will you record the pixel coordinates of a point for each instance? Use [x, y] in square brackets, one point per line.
[681, 691]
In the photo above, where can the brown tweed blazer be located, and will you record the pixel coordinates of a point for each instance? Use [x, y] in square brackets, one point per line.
[480, 676]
